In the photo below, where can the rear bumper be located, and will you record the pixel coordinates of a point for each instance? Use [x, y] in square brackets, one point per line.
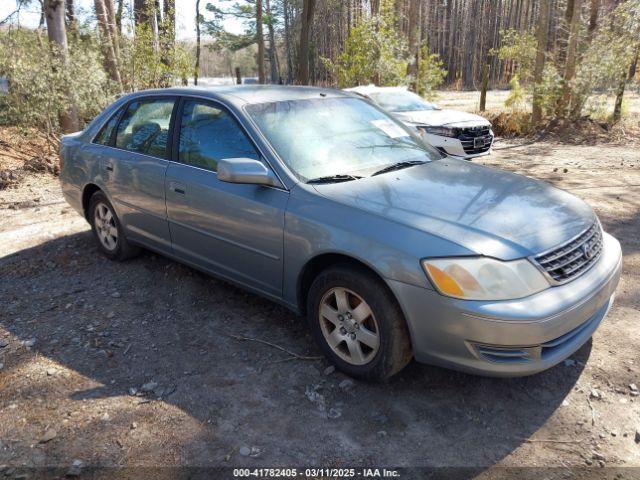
[511, 338]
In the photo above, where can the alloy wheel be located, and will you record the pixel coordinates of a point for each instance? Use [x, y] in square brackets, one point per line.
[105, 225]
[349, 326]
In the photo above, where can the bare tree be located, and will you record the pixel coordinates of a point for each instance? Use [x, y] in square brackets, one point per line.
[196, 69]
[260, 40]
[54, 12]
[414, 42]
[303, 51]
[107, 41]
[287, 41]
[570, 61]
[485, 86]
[541, 38]
[119, 16]
[71, 15]
[168, 37]
[273, 52]
[593, 17]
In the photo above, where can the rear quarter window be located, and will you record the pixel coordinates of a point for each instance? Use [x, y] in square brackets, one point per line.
[104, 136]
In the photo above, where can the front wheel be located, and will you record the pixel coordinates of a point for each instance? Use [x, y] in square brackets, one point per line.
[358, 324]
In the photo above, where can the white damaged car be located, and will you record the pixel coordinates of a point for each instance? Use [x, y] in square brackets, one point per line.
[453, 132]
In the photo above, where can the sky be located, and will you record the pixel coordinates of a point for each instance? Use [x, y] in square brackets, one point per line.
[185, 15]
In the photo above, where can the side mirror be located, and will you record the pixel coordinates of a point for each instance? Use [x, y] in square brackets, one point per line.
[246, 170]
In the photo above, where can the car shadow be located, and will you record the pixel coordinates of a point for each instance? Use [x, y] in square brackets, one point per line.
[197, 344]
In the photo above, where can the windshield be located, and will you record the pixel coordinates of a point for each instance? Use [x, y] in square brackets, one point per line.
[337, 136]
[401, 101]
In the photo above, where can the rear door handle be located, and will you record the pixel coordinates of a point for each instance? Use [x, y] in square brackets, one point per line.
[179, 188]
[109, 167]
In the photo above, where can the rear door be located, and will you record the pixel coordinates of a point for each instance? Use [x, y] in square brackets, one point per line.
[135, 169]
[233, 230]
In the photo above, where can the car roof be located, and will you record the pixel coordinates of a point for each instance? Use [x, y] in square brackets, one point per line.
[248, 94]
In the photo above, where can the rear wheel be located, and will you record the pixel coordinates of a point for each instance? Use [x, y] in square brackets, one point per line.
[358, 324]
[107, 229]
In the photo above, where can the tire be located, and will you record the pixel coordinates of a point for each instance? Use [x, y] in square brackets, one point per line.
[107, 230]
[345, 322]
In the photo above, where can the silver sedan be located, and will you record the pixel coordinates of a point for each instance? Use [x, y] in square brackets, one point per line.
[323, 202]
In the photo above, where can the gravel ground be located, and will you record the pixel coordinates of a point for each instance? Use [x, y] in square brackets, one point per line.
[144, 363]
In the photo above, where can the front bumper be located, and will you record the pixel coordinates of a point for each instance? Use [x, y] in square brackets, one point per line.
[515, 337]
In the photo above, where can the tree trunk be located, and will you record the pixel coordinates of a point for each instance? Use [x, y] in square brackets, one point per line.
[634, 65]
[238, 76]
[593, 17]
[168, 37]
[485, 85]
[287, 42]
[196, 70]
[628, 76]
[273, 53]
[140, 12]
[71, 15]
[308, 8]
[570, 62]
[54, 11]
[119, 16]
[541, 37]
[114, 31]
[111, 63]
[617, 109]
[260, 40]
[414, 42]
[375, 7]
[563, 46]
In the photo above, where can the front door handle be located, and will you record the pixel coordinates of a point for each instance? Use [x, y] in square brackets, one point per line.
[177, 187]
[109, 167]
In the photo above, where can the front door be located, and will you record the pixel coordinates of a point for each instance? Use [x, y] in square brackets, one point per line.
[230, 229]
[135, 170]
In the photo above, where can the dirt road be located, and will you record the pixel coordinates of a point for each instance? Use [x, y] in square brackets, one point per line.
[140, 363]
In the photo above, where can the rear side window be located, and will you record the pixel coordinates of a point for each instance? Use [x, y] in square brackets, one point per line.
[144, 128]
[105, 133]
[209, 134]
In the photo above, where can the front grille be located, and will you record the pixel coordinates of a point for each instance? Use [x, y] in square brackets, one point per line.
[573, 258]
[475, 139]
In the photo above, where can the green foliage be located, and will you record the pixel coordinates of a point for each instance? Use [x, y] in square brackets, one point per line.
[515, 100]
[519, 47]
[223, 40]
[431, 72]
[550, 89]
[607, 59]
[374, 52]
[39, 85]
[144, 64]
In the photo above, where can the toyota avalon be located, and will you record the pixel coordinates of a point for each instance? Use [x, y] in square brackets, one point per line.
[323, 202]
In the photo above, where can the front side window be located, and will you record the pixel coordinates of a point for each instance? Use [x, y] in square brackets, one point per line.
[401, 101]
[144, 128]
[209, 134]
[337, 136]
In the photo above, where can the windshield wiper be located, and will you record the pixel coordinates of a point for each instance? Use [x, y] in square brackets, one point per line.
[398, 166]
[334, 179]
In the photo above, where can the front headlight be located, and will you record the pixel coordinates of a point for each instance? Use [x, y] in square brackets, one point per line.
[482, 278]
[441, 131]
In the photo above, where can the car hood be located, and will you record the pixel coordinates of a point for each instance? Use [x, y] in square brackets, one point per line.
[486, 210]
[441, 117]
